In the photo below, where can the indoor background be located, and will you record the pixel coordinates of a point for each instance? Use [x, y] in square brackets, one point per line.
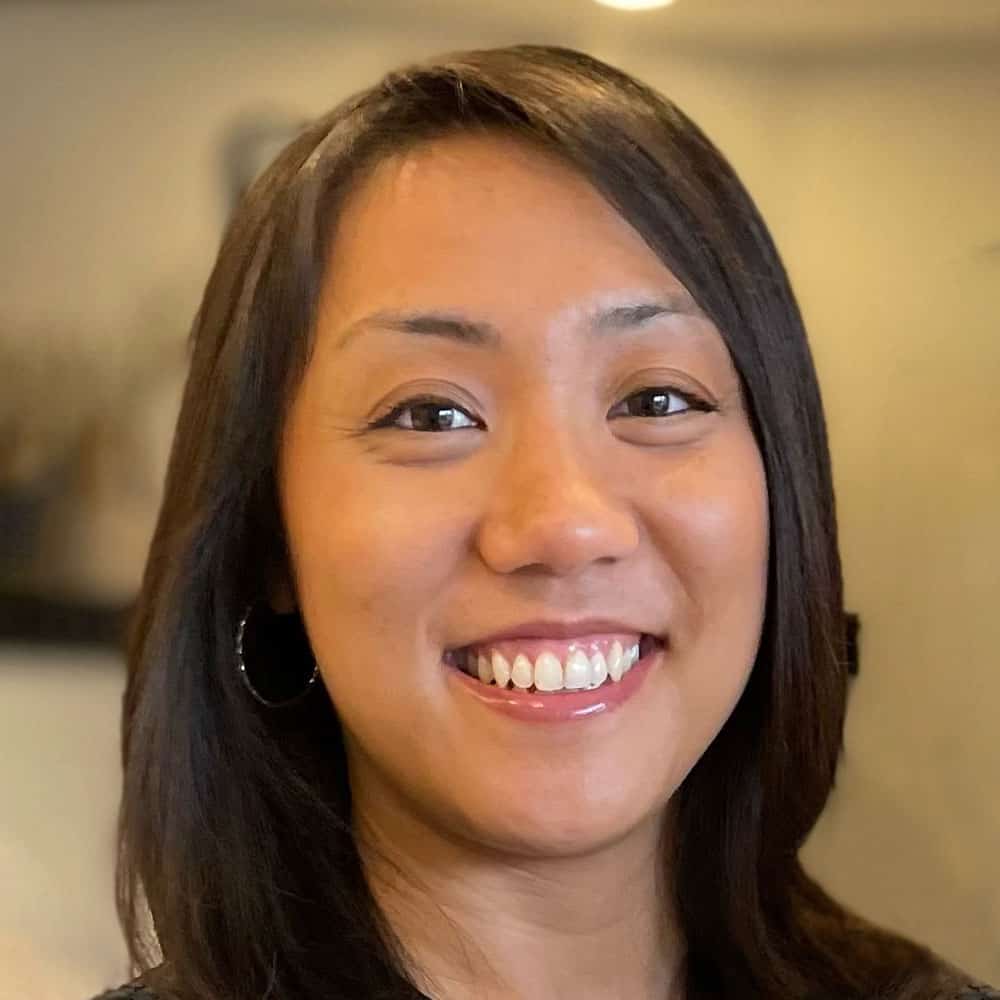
[869, 134]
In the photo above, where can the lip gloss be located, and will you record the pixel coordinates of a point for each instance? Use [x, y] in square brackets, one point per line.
[558, 706]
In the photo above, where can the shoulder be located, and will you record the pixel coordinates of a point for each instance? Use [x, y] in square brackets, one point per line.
[945, 981]
[958, 984]
[888, 965]
[951, 983]
[133, 991]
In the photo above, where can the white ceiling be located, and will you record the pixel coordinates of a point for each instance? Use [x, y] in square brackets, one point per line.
[757, 24]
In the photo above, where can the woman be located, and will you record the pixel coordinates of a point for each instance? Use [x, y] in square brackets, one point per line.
[491, 642]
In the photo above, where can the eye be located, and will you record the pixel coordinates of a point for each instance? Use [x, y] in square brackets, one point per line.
[661, 401]
[433, 414]
[428, 414]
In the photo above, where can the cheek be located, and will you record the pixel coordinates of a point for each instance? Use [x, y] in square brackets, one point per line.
[368, 556]
[714, 525]
[713, 533]
[345, 529]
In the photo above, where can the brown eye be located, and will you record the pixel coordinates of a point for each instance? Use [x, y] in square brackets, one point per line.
[429, 414]
[661, 401]
[434, 414]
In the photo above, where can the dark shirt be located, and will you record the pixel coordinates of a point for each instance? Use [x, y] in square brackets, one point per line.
[970, 992]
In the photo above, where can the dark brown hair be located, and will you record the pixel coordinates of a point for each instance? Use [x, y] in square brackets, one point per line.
[235, 821]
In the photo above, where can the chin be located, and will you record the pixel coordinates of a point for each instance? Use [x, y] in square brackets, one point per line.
[566, 827]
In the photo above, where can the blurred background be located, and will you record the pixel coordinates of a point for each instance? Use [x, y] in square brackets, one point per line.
[869, 133]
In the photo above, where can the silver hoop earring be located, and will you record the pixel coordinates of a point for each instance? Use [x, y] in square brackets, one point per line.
[279, 654]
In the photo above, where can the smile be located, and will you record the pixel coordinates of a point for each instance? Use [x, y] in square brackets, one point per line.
[553, 665]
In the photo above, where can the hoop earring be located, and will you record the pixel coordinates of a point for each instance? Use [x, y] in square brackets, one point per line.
[282, 641]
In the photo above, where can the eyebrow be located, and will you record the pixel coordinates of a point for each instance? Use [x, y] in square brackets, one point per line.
[457, 328]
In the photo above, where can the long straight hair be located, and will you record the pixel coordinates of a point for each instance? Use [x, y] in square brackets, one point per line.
[235, 826]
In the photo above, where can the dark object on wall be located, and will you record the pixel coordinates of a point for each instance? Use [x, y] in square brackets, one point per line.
[31, 618]
[853, 628]
[250, 144]
[41, 601]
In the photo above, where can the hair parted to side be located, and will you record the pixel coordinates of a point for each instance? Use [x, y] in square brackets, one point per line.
[235, 821]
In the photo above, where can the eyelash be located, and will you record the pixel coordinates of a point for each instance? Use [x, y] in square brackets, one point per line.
[388, 420]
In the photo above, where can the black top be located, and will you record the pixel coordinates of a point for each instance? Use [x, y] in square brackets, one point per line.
[134, 992]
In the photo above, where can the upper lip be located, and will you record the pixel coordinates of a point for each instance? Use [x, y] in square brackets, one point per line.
[559, 630]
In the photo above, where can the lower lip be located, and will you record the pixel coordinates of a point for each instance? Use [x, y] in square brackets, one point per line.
[562, 706]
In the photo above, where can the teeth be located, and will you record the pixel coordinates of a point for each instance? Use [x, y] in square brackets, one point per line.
[598, 670]
[547, 673]
[484, 669]
[577, 672]
[501, 669]
[615, 662]
[633, 655]
[521, 672]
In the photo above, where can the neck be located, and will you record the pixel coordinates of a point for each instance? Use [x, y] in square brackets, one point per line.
[479, 922]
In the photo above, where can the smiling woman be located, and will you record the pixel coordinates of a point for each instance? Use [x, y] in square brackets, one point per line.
[501, 482]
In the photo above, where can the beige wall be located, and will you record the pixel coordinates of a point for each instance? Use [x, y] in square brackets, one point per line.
[59, 773]
[878, 180]
[892, 202]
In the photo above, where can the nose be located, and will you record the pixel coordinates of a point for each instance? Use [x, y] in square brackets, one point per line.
[553, 507]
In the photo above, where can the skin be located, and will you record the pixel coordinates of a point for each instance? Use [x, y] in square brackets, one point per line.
[517, 859]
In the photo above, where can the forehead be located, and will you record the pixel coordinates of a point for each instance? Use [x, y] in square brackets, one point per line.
[481, 171]
[482, 221]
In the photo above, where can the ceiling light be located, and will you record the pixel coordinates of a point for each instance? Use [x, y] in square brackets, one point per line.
[635, 4]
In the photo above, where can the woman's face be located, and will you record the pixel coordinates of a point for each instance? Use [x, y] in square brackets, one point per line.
[543, 484]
